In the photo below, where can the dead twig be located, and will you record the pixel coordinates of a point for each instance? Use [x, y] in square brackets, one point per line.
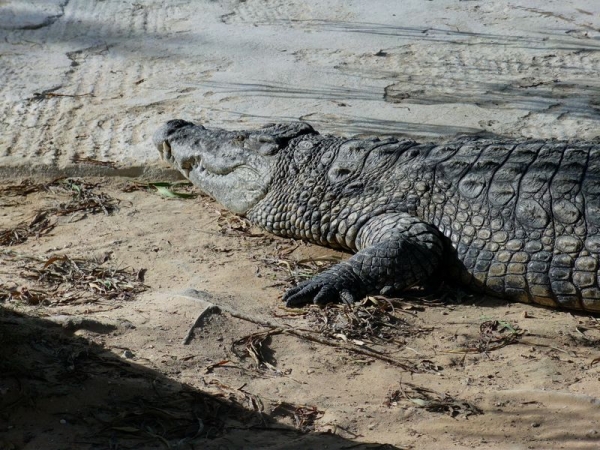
[304, 417]
[167, 189]
[83, 199]
[255, 346]
[25, 188]
[231, 224]
[23, 294]
[310, 336]
[375, 319]
[75, 280]
[493, 335]
[39, 96]
[296, 271]
[431, 401]
[39, 225]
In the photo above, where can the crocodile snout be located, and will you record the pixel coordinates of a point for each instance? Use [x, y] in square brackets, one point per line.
[170, 130]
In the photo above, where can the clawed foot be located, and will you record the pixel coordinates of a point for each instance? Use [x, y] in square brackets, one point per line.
[322, 289]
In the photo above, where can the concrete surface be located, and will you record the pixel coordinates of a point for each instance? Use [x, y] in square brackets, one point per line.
[88, 81]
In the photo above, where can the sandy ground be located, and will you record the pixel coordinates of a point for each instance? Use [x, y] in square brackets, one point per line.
[88, 79]
[84, 374]
[84, 84]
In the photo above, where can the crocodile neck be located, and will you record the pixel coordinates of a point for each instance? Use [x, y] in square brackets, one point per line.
[313, 197]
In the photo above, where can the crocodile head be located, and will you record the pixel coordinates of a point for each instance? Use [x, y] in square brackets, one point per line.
[235, 168]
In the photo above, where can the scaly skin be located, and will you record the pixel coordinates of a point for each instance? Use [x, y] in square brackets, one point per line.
[514, 219]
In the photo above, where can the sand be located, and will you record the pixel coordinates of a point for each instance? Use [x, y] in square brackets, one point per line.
[83, 87]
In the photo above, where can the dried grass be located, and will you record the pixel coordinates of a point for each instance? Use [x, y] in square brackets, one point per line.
[493, 335]
[375, 319]
[40, 225]
[431, 401]
[295, 271]
[175, 189]
[303, 417]
[83, 199]
[62, 279]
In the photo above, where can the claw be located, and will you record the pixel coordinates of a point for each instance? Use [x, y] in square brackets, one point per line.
[321, 290]
[347, 297]
[298, 295]
[294, 302]
[323, 297]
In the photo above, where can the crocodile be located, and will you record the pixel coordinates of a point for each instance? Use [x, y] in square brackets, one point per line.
[518, 219]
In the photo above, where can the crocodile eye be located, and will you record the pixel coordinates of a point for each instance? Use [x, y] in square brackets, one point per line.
[340, 172]
[268, 149]
[337, 174]
[265, 138]
[262, 144]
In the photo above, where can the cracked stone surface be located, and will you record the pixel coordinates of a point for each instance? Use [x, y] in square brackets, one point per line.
[90, 80]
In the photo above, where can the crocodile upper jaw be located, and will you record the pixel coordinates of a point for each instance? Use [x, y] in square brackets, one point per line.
[233, 168]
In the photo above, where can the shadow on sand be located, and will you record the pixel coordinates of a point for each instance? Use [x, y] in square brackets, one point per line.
[60, 391]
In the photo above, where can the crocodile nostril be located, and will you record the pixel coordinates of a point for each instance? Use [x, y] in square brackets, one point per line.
[174, 125]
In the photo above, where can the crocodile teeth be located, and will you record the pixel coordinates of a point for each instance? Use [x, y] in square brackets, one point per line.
[166, 151]
[186, 172]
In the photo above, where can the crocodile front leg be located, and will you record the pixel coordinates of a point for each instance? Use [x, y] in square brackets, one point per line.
[395, 251]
